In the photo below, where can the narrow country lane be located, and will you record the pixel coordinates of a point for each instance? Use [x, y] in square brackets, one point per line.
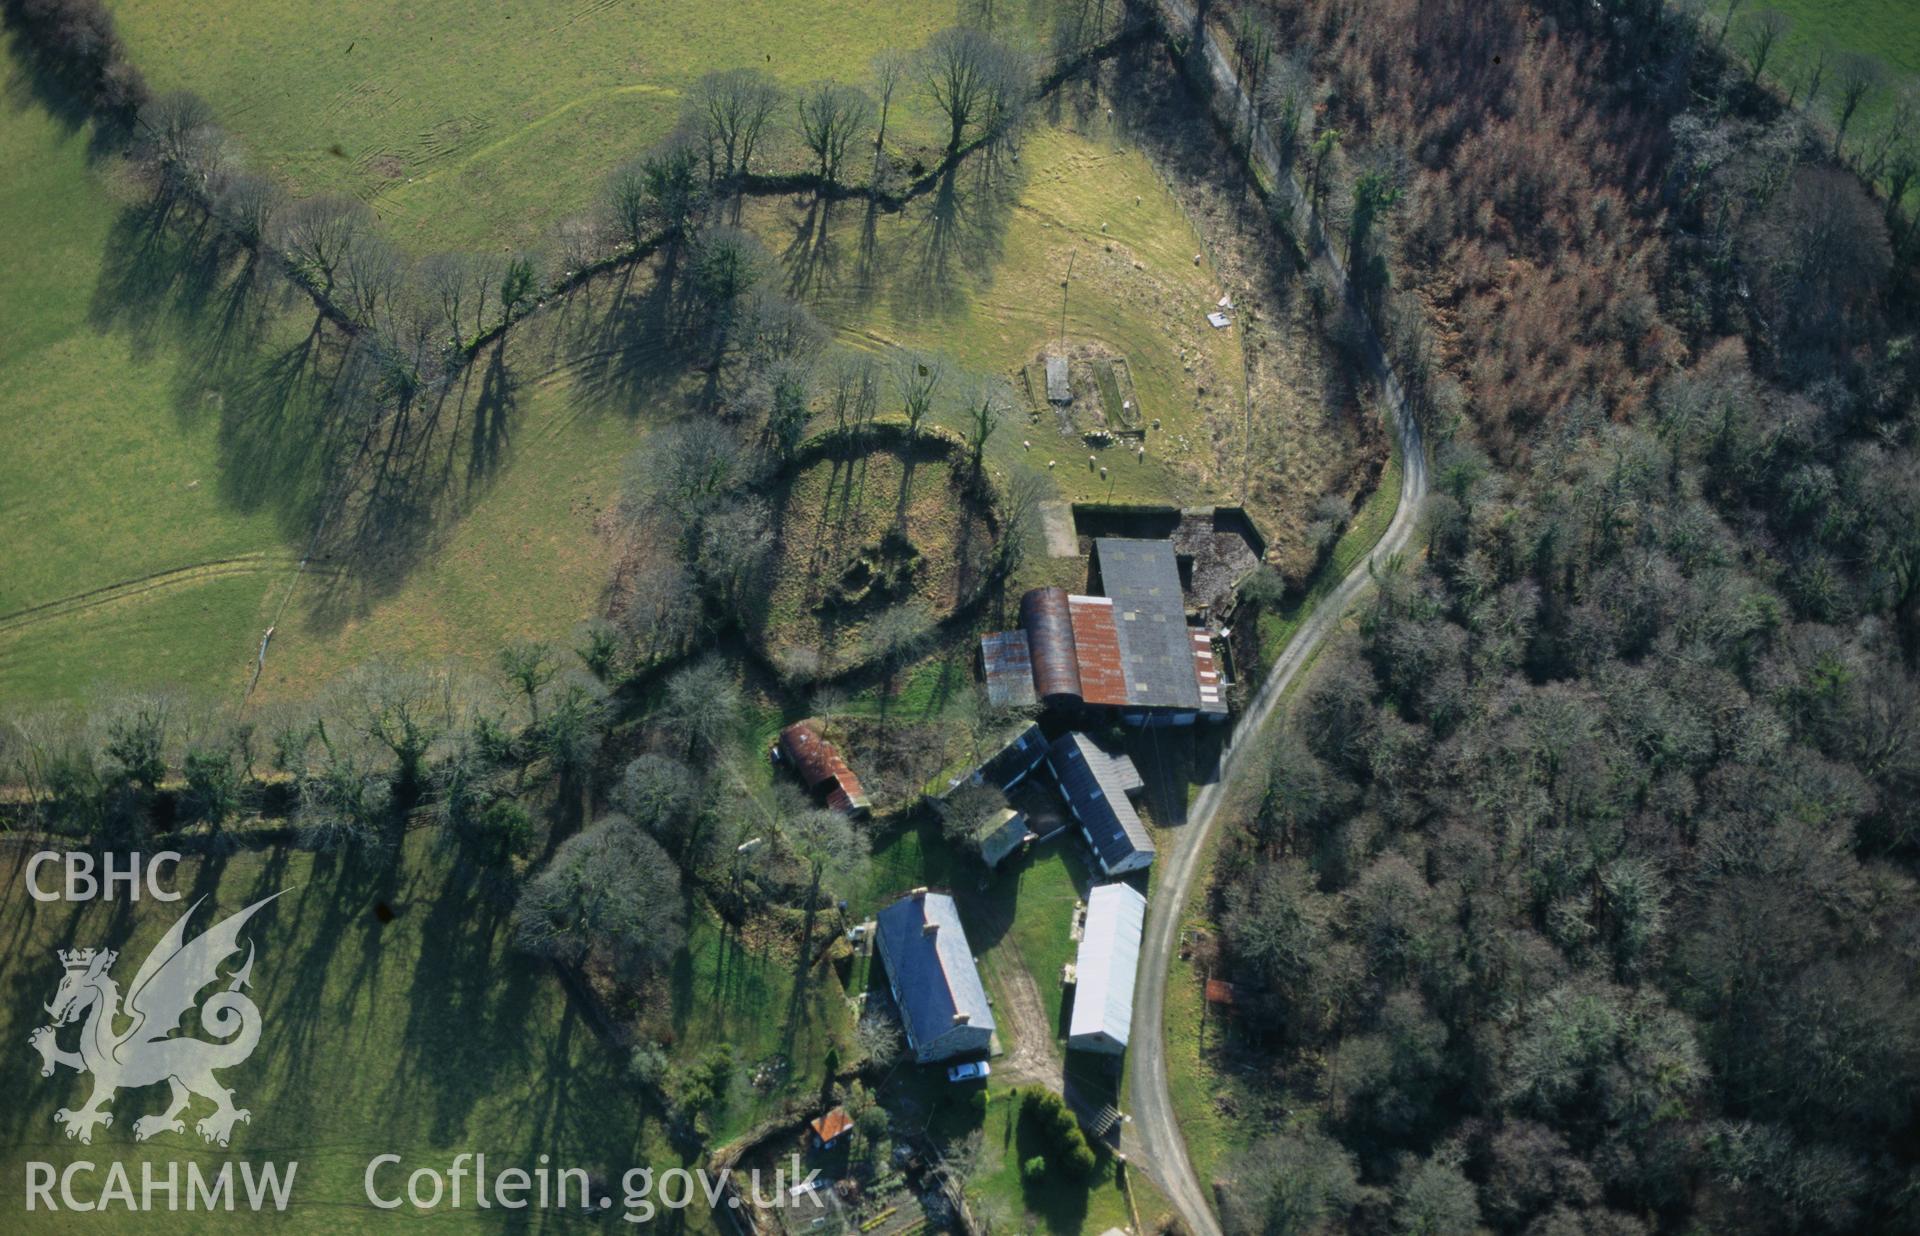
[1157, 1125]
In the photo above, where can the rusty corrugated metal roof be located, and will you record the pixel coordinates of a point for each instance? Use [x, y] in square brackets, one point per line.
[1007, 660]
[819, 765]
[1048, 620]
[832, 1125]
[1103, 675]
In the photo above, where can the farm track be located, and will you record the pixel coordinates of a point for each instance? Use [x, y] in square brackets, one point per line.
[1036, 1055]
[199, 572]
[1156, 1122]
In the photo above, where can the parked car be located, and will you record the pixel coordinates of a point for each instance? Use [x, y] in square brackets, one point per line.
[974, 1071]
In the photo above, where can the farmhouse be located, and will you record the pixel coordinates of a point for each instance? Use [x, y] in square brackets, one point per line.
[934, 981]
[818, 764]
[1109, 955]
[1097, 786]
[1126, 649]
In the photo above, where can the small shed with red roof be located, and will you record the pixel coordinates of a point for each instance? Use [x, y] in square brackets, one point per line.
[830, 1128]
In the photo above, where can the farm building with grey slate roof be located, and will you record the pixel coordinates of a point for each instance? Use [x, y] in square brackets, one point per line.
[1129, 650]
[1097, 785]
[934, 981]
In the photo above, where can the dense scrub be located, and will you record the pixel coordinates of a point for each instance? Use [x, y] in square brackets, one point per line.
[1580, 896]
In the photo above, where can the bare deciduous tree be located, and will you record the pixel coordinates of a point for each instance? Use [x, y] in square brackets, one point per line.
[1762, 34]
[830, 114]
[454, 286]
[834, 850]
[853, 388]
[662, 612]
[973, 80]
[917, 377]
[182, 144]
[684, 471]
[988, 403]
[370, 275]
[1726, 19]
[626, 201]
[1813, 75]
[405, 709]
[1856, 76]
[247, 205]
[703, 706]
[316, 234]
[889, 67]
[729, 110]
[528, 666]
[611, 892]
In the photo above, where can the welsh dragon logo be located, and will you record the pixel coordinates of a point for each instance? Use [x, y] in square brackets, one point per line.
[166, 987]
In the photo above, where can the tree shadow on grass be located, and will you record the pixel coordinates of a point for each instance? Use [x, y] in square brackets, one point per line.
[812, 257]
[32, 82]
[309, 426]
[951, 240]
[625, 342]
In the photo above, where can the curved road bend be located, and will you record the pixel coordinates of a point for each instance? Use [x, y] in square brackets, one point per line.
[1163, 1149]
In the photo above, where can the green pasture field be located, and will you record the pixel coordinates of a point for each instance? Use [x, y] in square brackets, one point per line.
[159, 513]
[130, 554]
[1889, 29]
[526, 550]
[523, 550]
[423, 1036]
[157, 493]
[973, 269]
[476, 126]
